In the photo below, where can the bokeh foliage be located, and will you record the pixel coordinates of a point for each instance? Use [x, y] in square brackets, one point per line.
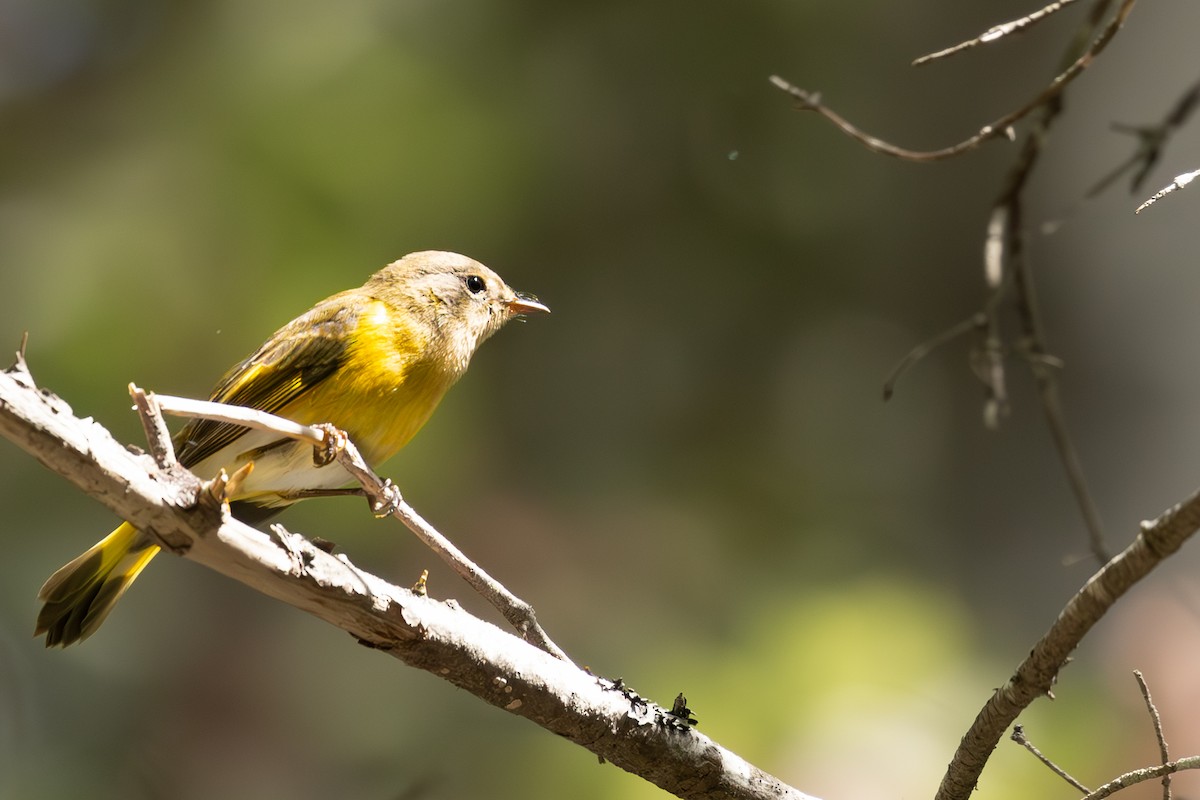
[686, 468]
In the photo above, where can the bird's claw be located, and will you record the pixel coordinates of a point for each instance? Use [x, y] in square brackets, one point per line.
[334, 443]
[386, 501]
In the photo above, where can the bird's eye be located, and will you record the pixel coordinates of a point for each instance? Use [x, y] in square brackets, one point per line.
[475, 284]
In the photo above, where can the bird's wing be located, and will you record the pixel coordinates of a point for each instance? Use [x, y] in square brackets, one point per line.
[300, 355]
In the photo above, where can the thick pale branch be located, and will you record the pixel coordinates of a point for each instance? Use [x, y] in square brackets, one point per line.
[495, 666]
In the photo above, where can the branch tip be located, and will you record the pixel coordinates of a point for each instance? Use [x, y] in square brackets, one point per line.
[155, 427]
[996, 32]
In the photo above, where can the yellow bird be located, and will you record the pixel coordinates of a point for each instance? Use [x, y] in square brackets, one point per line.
[373, 361]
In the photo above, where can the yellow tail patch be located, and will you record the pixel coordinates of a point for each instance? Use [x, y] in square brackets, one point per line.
[81, 594]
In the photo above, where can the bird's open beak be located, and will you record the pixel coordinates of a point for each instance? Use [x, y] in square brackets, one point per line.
[526, 304]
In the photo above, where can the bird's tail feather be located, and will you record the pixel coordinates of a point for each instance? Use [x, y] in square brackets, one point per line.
[80, 595]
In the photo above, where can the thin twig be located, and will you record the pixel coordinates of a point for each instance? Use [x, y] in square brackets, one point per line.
[1018, 736]
[384, 499]
[1005, 251]
[997, 32]
[1156, 719]
[1141, 775]
[811, 101]
[972, 323]
[1072, 466]
[1179, 182]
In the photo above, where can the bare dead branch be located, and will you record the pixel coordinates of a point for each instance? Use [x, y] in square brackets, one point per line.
[1035, 676]
[385, 501]
[172, 505]
[973, 323]
[1141, 775]
[1005, 257]
[1002, 127]
[997, 32]
[1164, 771]
[1045, 370]
[157, 435]
[1018, 736]
[1156, 720]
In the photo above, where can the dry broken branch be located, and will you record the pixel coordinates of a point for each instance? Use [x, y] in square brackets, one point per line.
[172, 504]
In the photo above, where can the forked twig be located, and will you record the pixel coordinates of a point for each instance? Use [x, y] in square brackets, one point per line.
[1164, 770]
[385, 499]
[1141, 775]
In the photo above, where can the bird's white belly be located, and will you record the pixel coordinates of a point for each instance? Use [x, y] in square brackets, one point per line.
[281, 470]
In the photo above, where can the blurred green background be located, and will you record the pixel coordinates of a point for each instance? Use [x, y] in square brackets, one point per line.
[687, 468]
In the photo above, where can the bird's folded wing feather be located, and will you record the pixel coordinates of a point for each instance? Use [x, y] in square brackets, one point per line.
[303, 353]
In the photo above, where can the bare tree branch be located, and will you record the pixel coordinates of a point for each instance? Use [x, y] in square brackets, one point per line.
[383, 495]
[1164, 771]
[997, 32]
[1002, 127]
[1035, 676]
[1141, 775]
[974, 323]
[175, 507]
